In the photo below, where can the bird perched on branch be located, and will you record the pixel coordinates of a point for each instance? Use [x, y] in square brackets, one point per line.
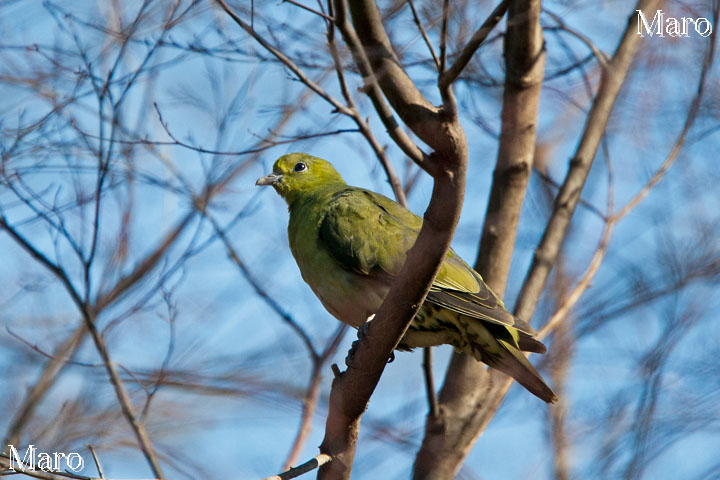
[350, 243]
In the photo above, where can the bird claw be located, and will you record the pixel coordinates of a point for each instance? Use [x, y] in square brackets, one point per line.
[362, 333]
[363, 329]
[351, 354]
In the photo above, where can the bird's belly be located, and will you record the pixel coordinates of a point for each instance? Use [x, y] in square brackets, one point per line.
[348, 296]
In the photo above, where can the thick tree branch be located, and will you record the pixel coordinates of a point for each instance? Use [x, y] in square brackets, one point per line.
[486, 399]
[567, 199]
[372, 88]
[413, 108]
[613, 218]
[450, 434]
[393, 128]
[352, 389]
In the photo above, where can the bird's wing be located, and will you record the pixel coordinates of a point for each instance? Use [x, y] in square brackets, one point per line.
[370, 234]
[459, 288]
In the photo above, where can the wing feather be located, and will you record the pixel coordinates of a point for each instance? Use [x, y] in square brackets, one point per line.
[370, 234]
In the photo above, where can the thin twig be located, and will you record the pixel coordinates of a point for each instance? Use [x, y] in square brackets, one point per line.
[144, 267]
[311, 10]
[372, 88]
[447, 77]
[267, 144]
[284, 59]
[430, 382]
[416, 18]
[601, 56]
[443, 35]
[310, 400]
[98, 465]
[315, 462]
[259, 290]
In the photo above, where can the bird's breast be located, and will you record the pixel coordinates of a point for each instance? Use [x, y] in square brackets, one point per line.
[348, 296]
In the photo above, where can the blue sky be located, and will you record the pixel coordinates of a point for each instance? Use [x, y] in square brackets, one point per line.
[225, 335]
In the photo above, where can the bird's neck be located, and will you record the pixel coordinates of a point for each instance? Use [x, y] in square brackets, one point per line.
[298, 201]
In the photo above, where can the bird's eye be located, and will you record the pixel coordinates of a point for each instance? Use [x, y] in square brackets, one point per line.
[299, 167]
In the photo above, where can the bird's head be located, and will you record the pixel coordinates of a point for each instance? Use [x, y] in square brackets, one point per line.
[296, 174]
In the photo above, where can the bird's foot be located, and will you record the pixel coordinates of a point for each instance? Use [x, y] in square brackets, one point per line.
[350, 358]
[362, 333]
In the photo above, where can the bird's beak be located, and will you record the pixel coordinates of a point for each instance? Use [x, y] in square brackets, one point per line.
[268, 180]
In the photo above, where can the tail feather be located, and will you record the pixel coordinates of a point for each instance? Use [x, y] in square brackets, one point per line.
[529, 344]
[513, 363]
[499, 347]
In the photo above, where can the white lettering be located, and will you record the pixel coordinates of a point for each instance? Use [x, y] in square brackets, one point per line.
[685, 21]
[657, 24]
[708, 27]
[673, 27]
[70, 462]
[45, 462]
[26, 462]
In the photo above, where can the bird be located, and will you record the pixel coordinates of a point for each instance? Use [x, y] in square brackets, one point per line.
[350, 243]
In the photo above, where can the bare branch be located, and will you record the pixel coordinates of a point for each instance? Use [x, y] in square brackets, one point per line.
[284, 59]
[145, 266]
[443, 34]
[569, 194]
[412, 107]
[416, 18]
[430, 382]
[614, 218]
[98, 465]
[310, 465]
[357, 118]
[267, 298]
[311, 10]
[372, 88]
[352, 389]
[64, 352]
[447, 77]
[449, 436]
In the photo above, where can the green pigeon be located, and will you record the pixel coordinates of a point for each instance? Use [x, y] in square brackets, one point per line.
[350, 243]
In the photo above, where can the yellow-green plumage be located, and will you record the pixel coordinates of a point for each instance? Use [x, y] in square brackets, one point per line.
[350, 243]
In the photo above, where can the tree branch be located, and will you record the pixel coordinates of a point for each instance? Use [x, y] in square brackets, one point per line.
[449, 436]
[449, 76]
[352, 389]
[372, 88]
[409, 103]
[612, 80]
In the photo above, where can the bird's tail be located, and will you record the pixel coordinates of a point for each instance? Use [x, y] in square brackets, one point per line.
[512, 362]
[500, 350]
